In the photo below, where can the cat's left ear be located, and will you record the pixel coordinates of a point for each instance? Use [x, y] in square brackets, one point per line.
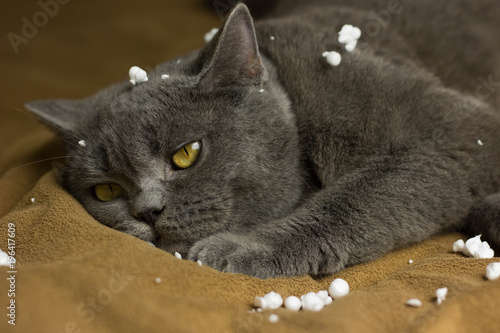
[62, 114]
[233, 54]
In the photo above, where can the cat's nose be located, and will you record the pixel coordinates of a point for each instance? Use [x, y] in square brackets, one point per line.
[150, 215]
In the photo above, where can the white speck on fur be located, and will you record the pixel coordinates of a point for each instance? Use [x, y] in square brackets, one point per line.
[210, 35]
[479, 142]
[158, 280]
[261, 90]
[82, 143]
[165, 76]
[272, 38]
[199, 263]
[178, 255]
[32, 200]
[410, 261]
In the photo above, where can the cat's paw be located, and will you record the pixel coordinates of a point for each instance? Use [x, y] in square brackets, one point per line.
[236, 254]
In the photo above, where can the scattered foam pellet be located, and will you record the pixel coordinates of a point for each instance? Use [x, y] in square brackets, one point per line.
[4, 259]
[459, 246]
[32, 200]
[272, 38]
[351, 46]
[158, 280]
[293, 303]
[473, 247]
[410, 261]
[479, 142]
[477, 249]
[333, 58]
[199, 262]
[137, 75]
[349, 36]
[312, 302]
[323, 294]
[270, 300]
[177, 255]
[165, 76]
[82, 143]
[273, 318]
[441, 294]
[261, 90]
[493, 271]
[209, 35]
[414, 302]
[151, 244]
[338, 288]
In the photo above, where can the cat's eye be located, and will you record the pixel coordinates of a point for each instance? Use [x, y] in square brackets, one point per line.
[187, 155]
[108, 192]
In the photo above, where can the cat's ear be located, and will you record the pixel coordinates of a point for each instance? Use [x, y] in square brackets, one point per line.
[63, 114]
[233, 54]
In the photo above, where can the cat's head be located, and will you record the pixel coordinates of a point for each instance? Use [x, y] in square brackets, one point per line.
[172, 160]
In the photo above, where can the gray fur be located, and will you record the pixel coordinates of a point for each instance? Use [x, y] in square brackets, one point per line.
[328, 166]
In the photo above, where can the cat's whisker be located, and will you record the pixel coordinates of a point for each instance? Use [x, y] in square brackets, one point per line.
[302, 179]
[39, 161]
[49, 124]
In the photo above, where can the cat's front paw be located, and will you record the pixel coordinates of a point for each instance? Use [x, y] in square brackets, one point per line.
[236, 254]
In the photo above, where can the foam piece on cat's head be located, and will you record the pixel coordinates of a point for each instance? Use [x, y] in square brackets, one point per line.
[333, 58]
[137, 75]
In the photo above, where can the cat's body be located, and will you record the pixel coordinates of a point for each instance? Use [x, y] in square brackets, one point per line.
[304, 167]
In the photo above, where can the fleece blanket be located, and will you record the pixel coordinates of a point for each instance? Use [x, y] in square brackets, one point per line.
[73, 274]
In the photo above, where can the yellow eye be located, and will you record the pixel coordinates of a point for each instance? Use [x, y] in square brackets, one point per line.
[187, 155]
[108, 192]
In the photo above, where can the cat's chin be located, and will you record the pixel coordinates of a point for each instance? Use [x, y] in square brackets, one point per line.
[172, 247]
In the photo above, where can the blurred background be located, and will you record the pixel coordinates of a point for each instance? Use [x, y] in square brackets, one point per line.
[71, 49]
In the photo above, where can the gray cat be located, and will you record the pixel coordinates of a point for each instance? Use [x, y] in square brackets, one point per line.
[257, 156]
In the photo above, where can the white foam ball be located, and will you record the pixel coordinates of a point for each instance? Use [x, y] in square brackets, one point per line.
[312, 302]
[414, 302]
[459, 246]
[293, 303]
[472, 245]
[493, 271]
[338, 288]
[273, 318]
[351, 46]
[334, 58]
[323, 294]
[441, 294]
[270, 300]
